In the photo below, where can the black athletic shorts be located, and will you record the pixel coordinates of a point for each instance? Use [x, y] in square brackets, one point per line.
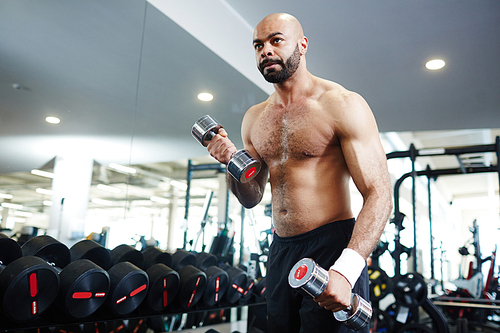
[288, 311]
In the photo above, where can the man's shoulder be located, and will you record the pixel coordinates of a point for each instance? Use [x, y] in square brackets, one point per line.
[335, 92]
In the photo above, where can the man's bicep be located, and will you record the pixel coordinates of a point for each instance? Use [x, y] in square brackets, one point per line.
[362, 149]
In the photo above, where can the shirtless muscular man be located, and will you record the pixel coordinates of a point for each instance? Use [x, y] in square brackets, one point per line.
[312, 136]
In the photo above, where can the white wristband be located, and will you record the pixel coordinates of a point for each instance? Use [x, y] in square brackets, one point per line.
[350, 264]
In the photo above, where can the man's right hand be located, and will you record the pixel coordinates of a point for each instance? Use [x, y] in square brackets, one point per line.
[221, 148]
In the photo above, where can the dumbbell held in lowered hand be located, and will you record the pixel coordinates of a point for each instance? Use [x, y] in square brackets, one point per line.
[241, 166]
[310, 280]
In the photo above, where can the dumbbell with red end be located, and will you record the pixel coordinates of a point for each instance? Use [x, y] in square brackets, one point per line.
[248, 289]
[237, 283]
[217, 279]
[83, 285]
[28, 285]
[260, 290]
[192, 280]
[93, 251]
[242, 166]
[310, 280]
[128, 283]
[163, 280]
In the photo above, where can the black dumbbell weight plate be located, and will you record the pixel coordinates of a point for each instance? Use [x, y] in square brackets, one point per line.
[237, 283]
[129, 287]
[126, 252]
[49, 249]
[192, 286]
[248, 291]
[182, 258]
[9, 250]
[28, 286]
[83, 288]
[205, 260]
[93, 251]
[163, 286]
[260, 290]
[154, 255]
[217, 284]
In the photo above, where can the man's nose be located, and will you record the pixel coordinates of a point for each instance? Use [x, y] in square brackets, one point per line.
[267, 51]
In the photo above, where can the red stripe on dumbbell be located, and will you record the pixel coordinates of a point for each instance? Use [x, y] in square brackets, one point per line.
[100, 294]
[33, 285]
[82, 295]
[138, 290]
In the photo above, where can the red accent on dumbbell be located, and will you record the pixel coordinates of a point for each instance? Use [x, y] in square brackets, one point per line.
[300, 272]
[82, 295]
[250, 172]
[33, 285]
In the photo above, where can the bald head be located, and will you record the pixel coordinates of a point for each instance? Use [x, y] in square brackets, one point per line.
[281, 22]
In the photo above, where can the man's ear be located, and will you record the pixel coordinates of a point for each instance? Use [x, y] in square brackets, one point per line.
[303, 44]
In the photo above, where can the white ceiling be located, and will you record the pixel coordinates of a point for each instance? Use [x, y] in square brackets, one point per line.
[123, 76]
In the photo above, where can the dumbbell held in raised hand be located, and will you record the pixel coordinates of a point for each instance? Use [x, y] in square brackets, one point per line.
[310, 279]
[241, 166]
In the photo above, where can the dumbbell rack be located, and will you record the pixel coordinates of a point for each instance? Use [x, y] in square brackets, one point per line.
[123, 268]
[53, 319]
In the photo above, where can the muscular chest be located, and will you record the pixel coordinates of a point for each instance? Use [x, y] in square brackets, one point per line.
[290, 134]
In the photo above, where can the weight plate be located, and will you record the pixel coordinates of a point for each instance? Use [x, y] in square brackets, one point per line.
[28, 286]
[163, 286]
[380, 283]
[128, 288]
[9, 250]
[93, 251]
[125, 252]
[49, 249]
[193, 284]
[182, 258]
[154, 255]
[205, 260]
[217, 284]
[237, 283]
[248, 291]
[410, 290]
[83, 288]
[260, 289]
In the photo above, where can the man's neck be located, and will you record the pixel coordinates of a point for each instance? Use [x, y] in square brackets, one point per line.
[297, 86]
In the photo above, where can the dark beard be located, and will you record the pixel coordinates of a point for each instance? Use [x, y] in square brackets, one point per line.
[287, 70]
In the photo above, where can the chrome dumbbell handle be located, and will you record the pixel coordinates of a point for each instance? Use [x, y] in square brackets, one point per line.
[310, 279]
[241, 166]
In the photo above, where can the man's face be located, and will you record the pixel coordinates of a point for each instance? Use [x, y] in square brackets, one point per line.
[277, 70]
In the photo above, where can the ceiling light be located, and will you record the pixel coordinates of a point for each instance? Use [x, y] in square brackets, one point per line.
[23, 214]
[53, 120]
[108, 188]
[102, 202]
[6, 196]
[11, 205]
[122, 168]
[435, 64]
[205, 97]
[42, 173]
[178, 184]
[44, 191]
[47, 203]
[159, 200]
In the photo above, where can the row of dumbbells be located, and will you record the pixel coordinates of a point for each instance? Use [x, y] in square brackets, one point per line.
[44, 273]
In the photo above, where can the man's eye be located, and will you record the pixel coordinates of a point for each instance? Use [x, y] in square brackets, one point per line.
[277, 40]
[257, 46]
